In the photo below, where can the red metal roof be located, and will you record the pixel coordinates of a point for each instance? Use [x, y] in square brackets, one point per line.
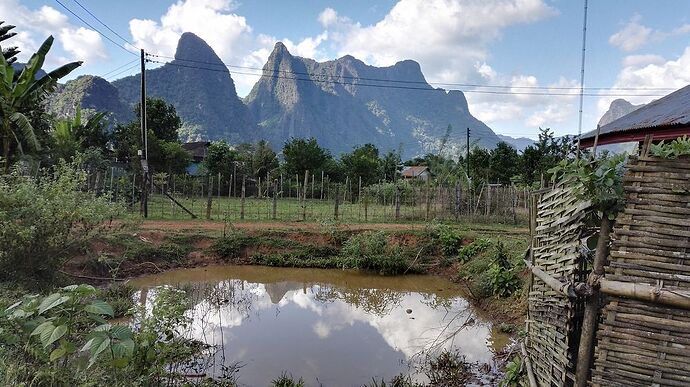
[665, 118]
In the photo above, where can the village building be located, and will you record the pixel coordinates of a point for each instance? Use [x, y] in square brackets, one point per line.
[420, 172]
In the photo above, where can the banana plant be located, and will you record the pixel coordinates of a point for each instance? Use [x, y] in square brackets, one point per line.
[22, 93]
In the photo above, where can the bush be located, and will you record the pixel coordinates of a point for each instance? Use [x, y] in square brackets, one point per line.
[370, 251]
[42, 219]
[502, 276]
[285, 380]
[470, 251]
[232, 245]
[449, 240]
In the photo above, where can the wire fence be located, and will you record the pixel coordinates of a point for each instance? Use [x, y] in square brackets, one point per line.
[312, 198]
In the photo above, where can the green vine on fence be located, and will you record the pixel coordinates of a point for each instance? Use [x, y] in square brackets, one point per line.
[602, 180]
[672, 150]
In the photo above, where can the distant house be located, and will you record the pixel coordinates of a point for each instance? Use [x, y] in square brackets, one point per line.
[666, 118]
[198, 151]
[416, 172]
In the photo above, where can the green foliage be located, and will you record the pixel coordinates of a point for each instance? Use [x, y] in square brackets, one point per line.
[602, 179]
[362, 162]
[285, 380]
[73, 135]
[504, 163]
[63, 325]
[545, 154]
[390, 165]
[513, 375]
[161, 119]
[674, 149]
[370, 251]
[23, 94]
[232, 245]
[502, 276]
[42, 219]
[119, 296]
[304, 154]
[449, 239]
[470, 251]
[264, 160]
[220, 158]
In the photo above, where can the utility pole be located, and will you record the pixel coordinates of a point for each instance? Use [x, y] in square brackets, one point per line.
[467, 161]
[582, 78]
[144, 152]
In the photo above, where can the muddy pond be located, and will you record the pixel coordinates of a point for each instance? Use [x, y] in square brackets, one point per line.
[329, 327]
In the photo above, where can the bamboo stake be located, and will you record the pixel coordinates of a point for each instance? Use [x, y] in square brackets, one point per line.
[644, 292]
[589, 320]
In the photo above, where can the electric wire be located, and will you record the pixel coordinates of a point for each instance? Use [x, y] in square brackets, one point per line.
[409, 81]
[334, 82]
[102, 23]
[117, 68]
[94, 28]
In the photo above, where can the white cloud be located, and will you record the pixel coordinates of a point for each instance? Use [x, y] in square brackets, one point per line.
[447, 37]
[34, 26]
[308, 47]
[655, 72]
[632, 36]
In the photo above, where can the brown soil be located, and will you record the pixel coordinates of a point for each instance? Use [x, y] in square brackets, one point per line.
[197, 225]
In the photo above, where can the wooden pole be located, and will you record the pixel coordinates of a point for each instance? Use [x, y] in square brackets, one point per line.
[321, 185]
[275, 200]
[242, 198]
[209, 196]
[337, 198]
[589, 320]
[304, 195]
[645, 292]
[397, 202]
[457, 201]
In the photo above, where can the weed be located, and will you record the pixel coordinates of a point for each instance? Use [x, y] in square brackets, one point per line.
[449, 240]
[448, 369]
[370, 251]
[470, 251]
[513, 376]
[119, 296]
[502, 275]
[285, 380]
[232, 245]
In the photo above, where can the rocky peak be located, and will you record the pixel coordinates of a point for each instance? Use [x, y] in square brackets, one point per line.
[192, 47]
[618, 108]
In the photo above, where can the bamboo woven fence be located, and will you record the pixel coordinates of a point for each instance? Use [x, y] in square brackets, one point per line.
[554, 318]
[642, 343]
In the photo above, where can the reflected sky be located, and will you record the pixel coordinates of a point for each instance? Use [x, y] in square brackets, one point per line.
[330, 327]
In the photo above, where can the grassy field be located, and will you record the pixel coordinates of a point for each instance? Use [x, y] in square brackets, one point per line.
[291, 209]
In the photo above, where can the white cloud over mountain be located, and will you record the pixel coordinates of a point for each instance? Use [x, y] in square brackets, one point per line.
[34, 26]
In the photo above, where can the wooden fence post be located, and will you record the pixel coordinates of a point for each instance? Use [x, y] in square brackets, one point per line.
[591, 315]
[488, 199]
[209, 192]
[242, 198]
[337, 198]
[457, 201]
[304, 195]
[275, 200]
[397, 202]
[428, 199]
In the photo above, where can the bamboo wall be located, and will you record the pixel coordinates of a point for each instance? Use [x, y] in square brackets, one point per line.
[643, 343]
[553, 318]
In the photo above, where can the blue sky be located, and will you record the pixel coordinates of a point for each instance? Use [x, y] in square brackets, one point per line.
[512, 46]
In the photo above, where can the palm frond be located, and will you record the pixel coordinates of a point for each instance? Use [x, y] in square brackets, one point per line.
[26, 130]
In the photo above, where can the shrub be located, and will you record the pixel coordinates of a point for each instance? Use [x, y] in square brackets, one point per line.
[470, 251]
[370, 251]
[448, 369]
[42, 219]
[285, 380]
[232, 245]
[449, 240]
[502, 276]
[513, 376]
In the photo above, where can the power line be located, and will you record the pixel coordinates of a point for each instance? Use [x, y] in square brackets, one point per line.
[226, 71]
[117, 68]
[103, 24]
[132, 67]
[93, 28]
[223, 64]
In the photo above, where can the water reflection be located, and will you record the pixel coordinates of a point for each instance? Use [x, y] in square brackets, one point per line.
[336, 328]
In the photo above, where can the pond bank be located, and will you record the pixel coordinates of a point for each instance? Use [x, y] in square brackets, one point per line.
[157, 246]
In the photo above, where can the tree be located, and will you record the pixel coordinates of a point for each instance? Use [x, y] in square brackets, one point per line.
[304, 154]
[362, 162]
[73, 135]
[480, 161]
[17, 93]
[10, 53]
[161, 118]
[545, 154]
[163, 155]
[390, 165]
[220, 159]
[504, 163]
[264, 159]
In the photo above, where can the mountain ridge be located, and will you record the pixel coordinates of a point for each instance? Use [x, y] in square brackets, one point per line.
[342, 102]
